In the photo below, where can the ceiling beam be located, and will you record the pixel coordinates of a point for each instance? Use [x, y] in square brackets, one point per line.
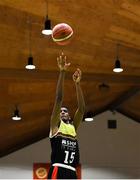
[115, 104]
[43, 75]
[124, 97]
[128, 114]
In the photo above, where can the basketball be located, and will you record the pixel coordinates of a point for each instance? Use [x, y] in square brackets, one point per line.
[62, 33]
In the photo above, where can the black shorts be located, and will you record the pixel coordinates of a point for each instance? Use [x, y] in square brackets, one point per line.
[56, 172]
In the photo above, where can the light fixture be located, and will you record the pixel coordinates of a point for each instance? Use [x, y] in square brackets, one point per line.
[117, 67]
[30, 64]
[47, 27]
[16, 116]
[88, 116]
[103, 87]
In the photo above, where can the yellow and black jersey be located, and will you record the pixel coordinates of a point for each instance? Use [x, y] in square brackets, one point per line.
[64, 145]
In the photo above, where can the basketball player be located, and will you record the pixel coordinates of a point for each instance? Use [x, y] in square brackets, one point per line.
[65, 152]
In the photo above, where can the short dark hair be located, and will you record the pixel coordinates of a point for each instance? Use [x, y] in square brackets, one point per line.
[65, 108]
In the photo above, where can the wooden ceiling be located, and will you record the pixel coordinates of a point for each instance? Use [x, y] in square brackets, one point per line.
[98, 26]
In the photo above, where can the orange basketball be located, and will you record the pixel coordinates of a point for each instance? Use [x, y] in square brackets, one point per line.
[62, 33]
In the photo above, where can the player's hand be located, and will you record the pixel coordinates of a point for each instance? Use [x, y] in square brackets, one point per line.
[77, 76]
[62, 63]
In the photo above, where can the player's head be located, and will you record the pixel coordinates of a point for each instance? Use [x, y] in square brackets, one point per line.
[64, 115]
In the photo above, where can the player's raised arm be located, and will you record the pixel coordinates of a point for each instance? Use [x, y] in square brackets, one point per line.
[80, 98]
[55, 117]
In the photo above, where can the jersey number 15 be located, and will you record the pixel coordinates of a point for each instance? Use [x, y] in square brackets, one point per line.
[69, 157]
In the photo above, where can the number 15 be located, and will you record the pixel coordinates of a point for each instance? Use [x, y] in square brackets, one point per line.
[69, 158]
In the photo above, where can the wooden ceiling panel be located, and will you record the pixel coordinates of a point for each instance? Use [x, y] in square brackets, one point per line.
[27, 6]
[132, 104]
[98, 26]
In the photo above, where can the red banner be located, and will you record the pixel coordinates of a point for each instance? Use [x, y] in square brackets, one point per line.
[40, 170]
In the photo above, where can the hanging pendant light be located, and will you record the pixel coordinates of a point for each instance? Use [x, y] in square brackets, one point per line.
[30, 64]
[16, 115]
[104, 87]
[89, 116]
[117, 67]
[47, 26]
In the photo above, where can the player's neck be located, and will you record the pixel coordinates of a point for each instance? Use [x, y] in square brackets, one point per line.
[66, 121]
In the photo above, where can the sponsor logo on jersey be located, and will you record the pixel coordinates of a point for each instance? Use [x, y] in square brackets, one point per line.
[68, 144]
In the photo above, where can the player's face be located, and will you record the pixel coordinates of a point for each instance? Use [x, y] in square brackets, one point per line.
[64, 115]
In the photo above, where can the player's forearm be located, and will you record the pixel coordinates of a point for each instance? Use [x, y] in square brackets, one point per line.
[80, 97]
[60, 84]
